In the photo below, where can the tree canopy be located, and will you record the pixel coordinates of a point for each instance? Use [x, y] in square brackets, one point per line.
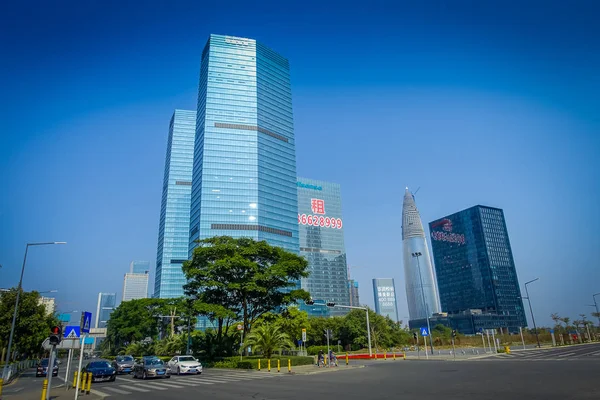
[231, 279]
[32, 325]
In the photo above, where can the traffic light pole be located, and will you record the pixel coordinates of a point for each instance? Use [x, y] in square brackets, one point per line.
[366, 309]
[50, 370]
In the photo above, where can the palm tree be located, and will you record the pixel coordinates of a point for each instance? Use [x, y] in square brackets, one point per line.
[267, 338]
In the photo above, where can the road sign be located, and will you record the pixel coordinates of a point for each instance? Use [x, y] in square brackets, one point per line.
[239, 327]
[424, 331]
[551, 330]
[72, 332]
[304, 334]
[86, 321]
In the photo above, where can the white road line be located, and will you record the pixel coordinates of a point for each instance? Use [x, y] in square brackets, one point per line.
[112, 389]
[186, 383]
[226, 378]
[164, 385]
[137, 389]
[211, 380]
[99, 393]
[565, 354]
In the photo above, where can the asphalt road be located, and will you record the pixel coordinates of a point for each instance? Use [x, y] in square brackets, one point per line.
[582, 352]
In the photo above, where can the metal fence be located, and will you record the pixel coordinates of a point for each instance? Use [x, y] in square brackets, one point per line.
[13, 370]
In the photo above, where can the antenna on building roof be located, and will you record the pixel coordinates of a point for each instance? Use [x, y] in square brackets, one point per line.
[415, 192]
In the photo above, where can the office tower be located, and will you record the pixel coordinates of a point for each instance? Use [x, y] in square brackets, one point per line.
[421, 293]
[244, 175]
[107, 302]
[135, 286]
[322, 244]
[49, 304]
[174, 225]
[353, 288]
[139, 267]
[475, 268]
[384, 293]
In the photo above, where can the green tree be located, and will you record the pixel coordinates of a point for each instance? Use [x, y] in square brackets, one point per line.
[291, 321]
[267, 338]
[228, 277]
[135, 320]
[32, 325]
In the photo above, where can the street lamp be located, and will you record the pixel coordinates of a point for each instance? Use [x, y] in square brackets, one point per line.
[531, 310]
[48, 291]
[596, 305]
[329, 304]
[417, 255]
[14, 319]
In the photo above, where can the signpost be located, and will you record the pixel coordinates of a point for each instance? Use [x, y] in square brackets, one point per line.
[327, 335]
[303, 342]
[71, 332]
[241, 328]
[85, 325]
[425, 333]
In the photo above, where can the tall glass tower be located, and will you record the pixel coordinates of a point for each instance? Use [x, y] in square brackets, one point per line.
[322, 244]
[421, 293]
[173, 231]
[244, 175]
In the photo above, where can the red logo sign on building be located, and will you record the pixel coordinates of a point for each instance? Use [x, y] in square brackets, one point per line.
[317, 206]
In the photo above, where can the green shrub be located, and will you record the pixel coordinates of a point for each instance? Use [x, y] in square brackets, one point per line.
[314, 350]
[252, 362]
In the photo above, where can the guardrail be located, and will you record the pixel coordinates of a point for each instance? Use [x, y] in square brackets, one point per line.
[15, 369]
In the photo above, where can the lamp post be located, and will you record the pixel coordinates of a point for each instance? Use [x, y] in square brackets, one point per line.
[596, 305]
[14, 319]
[417, 255]
[368, 327]
[531, 311]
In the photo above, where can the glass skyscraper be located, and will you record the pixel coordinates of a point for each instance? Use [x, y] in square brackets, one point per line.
[139, 267]
[173, 231]
[475, 268]
[322, 244]
[244, 175]
[384, 293]
[107, 302]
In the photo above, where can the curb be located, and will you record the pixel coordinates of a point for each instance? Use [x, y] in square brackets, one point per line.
[327, 370]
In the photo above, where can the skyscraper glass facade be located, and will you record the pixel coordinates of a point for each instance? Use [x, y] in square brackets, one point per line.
[354, 297]
[173, 231]
[322, 244]
[475, 267]
[384, 293]
[139, 267]
[244, 179]
[107, 302]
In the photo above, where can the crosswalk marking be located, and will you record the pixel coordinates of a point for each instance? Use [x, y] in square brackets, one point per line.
[215, 380]
[164, 385]
[565, 354]
[112, 389]
[138, 389]
[100, 394]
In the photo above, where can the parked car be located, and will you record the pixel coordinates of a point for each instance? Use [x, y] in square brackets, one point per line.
[150, 367]
[42, 368]
[101, 371]
[124, 364]
[185, 365]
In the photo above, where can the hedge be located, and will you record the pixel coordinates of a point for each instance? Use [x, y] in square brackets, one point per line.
[252, 362]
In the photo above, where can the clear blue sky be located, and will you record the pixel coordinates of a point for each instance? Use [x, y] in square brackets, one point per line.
[492, 103]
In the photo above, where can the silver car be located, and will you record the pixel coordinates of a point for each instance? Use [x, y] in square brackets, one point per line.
[185, 365]
[150, 368]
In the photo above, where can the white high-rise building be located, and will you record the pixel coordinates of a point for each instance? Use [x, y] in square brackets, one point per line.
[421, 291]
[135, 286]
[49, 303]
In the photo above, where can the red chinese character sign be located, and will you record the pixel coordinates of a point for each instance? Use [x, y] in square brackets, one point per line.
[319, 220]
[446, 235]
[317, 206]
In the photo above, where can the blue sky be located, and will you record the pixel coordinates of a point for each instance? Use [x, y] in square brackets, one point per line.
[493, 104]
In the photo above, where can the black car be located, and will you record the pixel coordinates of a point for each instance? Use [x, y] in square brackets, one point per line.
[124, 364]
[101, 371]
[42, 368]
[150, 367]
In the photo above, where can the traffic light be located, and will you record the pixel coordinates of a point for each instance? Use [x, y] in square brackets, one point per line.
[55, 335]
[415, 335]
[309, 302]
[453, 332]
[330, 304]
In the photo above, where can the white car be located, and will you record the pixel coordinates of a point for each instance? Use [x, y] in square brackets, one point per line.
[185, 365]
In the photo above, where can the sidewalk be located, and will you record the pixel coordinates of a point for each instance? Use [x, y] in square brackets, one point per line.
[313, 369]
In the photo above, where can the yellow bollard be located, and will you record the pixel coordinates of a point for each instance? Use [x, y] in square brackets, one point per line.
[385, 355]
[75, 380]
[289, 365]
[404, 355]
[259, 364]
[278, 369]
[44, 388]
[346, 358]
[1, 384]
[394, 355]
[82, 377]
[269, 365]
[89, 383]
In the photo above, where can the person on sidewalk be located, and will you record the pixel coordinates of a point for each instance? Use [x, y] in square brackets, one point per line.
[321, 359]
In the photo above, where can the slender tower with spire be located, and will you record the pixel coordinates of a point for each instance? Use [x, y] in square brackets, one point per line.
[421, 292]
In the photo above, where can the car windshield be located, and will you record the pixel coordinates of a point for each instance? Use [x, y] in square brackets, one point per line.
[187, 359]
[125, 359]
[154, 362]
[99, 364]
[44, 362]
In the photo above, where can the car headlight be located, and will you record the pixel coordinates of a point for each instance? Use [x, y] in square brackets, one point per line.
[114, 372]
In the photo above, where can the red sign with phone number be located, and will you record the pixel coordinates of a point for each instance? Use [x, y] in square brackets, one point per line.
[319, 220]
